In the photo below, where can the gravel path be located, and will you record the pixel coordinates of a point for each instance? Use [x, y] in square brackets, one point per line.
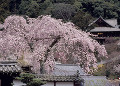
[18, 83]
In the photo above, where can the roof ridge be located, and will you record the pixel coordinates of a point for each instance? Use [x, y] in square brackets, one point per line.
[98, 19]
[68, 64]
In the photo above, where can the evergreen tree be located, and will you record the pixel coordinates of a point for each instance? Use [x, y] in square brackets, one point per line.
[4, 9]
[29, 7]
[63, 11]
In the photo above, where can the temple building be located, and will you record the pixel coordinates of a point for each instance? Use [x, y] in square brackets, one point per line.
[105, 28]
[71, 75]
[8, 71]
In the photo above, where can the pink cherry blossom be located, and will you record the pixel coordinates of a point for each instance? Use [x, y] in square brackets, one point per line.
[45, 39]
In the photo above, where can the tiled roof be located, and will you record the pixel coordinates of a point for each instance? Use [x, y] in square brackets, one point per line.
[9, 67]
[112, 22]
[58, 78]
[104, 29]
[108, 22]
[63, 72]
[67, 70]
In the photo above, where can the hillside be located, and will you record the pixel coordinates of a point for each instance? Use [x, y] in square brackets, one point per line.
[69, 10]
[42, 41]
[113, 63]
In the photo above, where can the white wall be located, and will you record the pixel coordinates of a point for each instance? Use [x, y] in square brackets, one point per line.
[64, 83]
[49, 84]
[59, 84]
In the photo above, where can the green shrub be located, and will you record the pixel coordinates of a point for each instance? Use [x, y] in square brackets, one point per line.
[36, 82]
[30, 80]
[26, 77]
